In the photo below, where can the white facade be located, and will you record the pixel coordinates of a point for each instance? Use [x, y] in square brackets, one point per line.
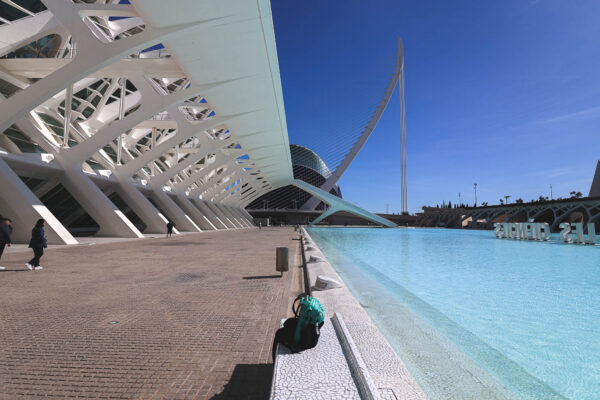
[155, 109]
[191, 130]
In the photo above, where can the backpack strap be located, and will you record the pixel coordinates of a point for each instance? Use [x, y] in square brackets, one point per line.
[296, 309]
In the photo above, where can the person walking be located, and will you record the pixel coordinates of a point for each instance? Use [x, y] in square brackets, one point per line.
[5, 235]
[170, 226]
[37, 244]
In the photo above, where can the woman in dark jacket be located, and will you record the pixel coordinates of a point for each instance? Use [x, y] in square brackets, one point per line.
[37, 244]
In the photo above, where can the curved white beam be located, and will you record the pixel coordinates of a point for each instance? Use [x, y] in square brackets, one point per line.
[341, 168]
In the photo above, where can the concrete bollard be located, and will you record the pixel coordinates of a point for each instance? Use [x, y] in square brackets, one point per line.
[281, 259]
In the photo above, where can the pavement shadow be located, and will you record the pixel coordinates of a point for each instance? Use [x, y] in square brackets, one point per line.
[248, 382]
[14, 270]
[262, 277]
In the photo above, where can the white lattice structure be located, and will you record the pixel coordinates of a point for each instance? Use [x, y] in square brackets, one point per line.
[139, 113]
[174, 106]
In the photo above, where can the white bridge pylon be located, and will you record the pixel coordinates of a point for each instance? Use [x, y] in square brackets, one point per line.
[397, 79]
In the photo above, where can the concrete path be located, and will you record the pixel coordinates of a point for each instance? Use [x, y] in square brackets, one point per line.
[191, 317]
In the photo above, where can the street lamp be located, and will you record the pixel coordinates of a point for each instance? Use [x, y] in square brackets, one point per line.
[475, 186]
[551, 198]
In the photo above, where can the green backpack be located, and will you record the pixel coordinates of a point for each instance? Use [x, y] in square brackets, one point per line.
[302, 331]
[311, 315]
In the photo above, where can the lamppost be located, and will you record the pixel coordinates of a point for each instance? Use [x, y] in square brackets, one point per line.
[475, 186]
[459, 200]
[506, 199]
[551, 198]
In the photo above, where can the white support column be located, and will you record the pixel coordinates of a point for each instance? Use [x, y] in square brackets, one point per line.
[153, 143]
[111, 220]
[121, 115]
[192, 210]
[244, 214]
[229, 215]
[404, 199]
[210, 214]
[24, 208]
[67, 114]
[221, 215]
[239, 216]
[247, 214]
[154, 220]
[176, 214]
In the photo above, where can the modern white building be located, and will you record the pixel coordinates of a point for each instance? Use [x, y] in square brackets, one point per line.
[117, 117]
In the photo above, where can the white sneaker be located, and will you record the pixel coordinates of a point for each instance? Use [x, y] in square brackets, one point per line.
[29, 266]
[38, 268]
[1, 268]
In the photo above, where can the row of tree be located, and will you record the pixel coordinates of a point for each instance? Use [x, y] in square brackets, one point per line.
[541, 199]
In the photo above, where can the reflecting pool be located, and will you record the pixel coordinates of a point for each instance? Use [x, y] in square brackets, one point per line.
[527, 313]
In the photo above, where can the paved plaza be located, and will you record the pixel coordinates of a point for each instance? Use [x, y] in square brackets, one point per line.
[190, 317]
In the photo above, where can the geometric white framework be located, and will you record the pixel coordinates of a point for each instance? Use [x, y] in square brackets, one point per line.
[175, 106]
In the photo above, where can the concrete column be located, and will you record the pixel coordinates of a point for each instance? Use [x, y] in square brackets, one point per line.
[210, 214]
[247, 214]
[192, 210]
[111, 220]
[234, 218]
[155, 222]
[237, 216]
[228, 215]
[221, 215]
[179, 217]
[244, 215]
[68, 106]
[22, 206]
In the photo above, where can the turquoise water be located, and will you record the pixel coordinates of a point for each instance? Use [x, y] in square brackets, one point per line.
[526, 312]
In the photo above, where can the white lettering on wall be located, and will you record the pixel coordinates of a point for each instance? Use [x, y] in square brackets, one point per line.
[569, 233]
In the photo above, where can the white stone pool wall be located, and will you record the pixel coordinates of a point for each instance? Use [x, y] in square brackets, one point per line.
[392, 378]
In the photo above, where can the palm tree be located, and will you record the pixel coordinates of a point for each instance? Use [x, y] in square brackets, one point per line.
[576, 195]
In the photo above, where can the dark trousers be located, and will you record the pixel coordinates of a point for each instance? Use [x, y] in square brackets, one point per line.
[38, 252]
[2, 248]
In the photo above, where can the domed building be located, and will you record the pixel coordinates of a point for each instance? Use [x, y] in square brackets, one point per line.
[308, 167]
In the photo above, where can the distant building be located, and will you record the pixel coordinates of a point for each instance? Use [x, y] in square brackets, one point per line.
[308, 167]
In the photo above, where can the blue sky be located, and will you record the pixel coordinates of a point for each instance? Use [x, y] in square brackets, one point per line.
[502, 93]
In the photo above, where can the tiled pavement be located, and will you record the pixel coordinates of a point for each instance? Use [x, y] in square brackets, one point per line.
[190, 317]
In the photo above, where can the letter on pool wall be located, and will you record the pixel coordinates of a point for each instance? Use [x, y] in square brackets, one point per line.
[544, 231]
[591, 233]
[498, 229]
[565, 235]
[577, 233]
